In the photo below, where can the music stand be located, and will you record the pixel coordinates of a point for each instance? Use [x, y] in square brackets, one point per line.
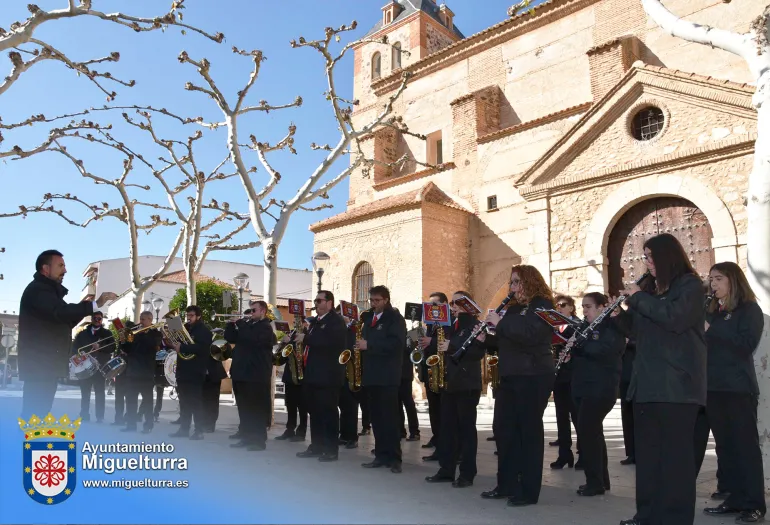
[413, 312]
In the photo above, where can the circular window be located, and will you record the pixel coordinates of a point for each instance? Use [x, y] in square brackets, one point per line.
[647, 123]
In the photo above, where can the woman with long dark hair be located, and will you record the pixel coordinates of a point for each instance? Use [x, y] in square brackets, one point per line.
[669, 382]
[595, 378]
[734, 323]
[566, 411]
[526, 372]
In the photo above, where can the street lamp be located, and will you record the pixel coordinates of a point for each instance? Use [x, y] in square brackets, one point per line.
[240, 281]
[319, 259]
[157, 304]
[146, 306]
[7, 341]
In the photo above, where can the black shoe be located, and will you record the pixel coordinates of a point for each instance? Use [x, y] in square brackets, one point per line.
[325, 458]
[519, 502]
[720, 510]
[720, 495]
[583, 487]
[440, 477]
[180, 434]
[241, 444]
[429, 444]
[414, 437]
[309, 454]
[561, 462]
[365, 432]
[432, 457]
[351, 444]
[590, 491]
[493, 494]
[750, 516]
[395, 467]
[461, 483]
[237, 435]
[554, 443]
[297, 438]
[286, 435]
[630, 460]
[197, 435]
[256, 447]
[493, 438]
[373, 464]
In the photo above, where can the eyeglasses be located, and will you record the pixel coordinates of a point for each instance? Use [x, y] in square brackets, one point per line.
[562, 305]
[320, 301]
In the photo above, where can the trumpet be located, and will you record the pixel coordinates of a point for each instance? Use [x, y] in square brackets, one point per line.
[214, 315]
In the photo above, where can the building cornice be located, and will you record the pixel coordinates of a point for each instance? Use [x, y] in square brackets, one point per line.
[397, 181]
[545, 119]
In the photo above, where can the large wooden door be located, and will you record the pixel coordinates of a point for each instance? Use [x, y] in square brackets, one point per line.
[679, 217]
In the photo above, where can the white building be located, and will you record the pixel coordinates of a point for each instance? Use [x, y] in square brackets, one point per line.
[112, 275]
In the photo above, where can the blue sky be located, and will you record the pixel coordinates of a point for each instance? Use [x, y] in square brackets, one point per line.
[151, 60]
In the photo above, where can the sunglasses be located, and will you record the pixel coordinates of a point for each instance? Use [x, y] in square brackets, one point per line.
[562, 305]
[316, 301]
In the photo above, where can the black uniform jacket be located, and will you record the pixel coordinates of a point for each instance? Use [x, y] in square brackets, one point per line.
[670, 363]
[381, 364]
[628, 361]
[140, 354]
[467, 374]
[432, 332]
[597, 363]
[732, 338]
[87, 337]
[524, 340]
[45, 329]
[194, 370]
[325, 341]
[253, 352]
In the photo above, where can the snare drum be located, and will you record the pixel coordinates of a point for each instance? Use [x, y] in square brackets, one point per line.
[83, 366]
[160, 373]
[113, 368]
[169, 368]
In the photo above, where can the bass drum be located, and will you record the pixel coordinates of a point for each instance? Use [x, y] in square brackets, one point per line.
[169, 368]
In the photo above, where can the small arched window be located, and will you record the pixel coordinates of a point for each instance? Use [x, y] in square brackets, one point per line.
[396, 56]
[363, 280]
[376, 66]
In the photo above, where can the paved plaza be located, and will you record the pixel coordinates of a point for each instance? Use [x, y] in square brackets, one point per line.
[343, 492]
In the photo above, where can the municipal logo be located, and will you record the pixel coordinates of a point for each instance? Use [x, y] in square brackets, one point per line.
[50, 458]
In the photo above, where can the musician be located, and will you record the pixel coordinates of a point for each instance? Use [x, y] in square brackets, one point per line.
[349, 400]
[45, 331]
[100, 344]
[526, 371]
[428, 344]
[626, 406]
[733, 329]
[296, 411]
[406, 399]
[562, 395]
[384, 339]
[140, 373]
[324, 376]
[212, 385]
[459, 400]
[191, 365]
[669, 381]
[595, 377]
[251, 371]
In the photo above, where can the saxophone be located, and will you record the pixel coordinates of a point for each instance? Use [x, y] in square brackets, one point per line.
[294, 352]
[437, 365]
[353, 366]
[492, 372]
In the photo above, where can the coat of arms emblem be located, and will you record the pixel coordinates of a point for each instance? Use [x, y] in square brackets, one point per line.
[50, 458]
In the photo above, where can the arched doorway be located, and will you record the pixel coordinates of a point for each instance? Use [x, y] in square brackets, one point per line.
[679, 217]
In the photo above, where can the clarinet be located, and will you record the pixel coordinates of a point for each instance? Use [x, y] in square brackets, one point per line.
[708, 301]
[476, 331]
[581, 336]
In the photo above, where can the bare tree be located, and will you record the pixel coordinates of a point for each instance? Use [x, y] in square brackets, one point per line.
[271, 219]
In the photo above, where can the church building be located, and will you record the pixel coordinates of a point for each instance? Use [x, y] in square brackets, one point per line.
[566, 136]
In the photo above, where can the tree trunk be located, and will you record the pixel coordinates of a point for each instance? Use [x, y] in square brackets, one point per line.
[137, 304]
[270, 278]
[189, 272]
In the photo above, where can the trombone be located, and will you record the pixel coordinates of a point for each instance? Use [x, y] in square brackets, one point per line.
[129, 332]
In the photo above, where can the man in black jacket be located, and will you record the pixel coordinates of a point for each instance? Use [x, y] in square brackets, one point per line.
[212, 385]
[97, 339]
[384, 339]
[296, 410]
[459, 401]
[324, 376]
[139, 376]
[250, 371]
[349, 400]
[434, 398]
[191, 366]
[45, 332]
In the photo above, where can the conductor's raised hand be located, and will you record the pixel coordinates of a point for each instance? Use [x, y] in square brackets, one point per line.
[106, 297]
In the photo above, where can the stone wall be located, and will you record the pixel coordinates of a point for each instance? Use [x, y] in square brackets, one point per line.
[436, 37]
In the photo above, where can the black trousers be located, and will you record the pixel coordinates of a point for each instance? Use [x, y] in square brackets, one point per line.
[295, 404]
[665, 463]
[95, 383]
[253, 403]
[384, 407]
[458, 432]
[190, 405]
[366, 415]
[519, 432]
[434, 412]
[211, 403]
[627, 418]
[134, 388]
[406, 400]
[324, 418]
[348, 404]
[37, 397]
[702, 429]
[159, 391]
[566, 416]
[732, 417]
[121, 384]
[590, 430]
